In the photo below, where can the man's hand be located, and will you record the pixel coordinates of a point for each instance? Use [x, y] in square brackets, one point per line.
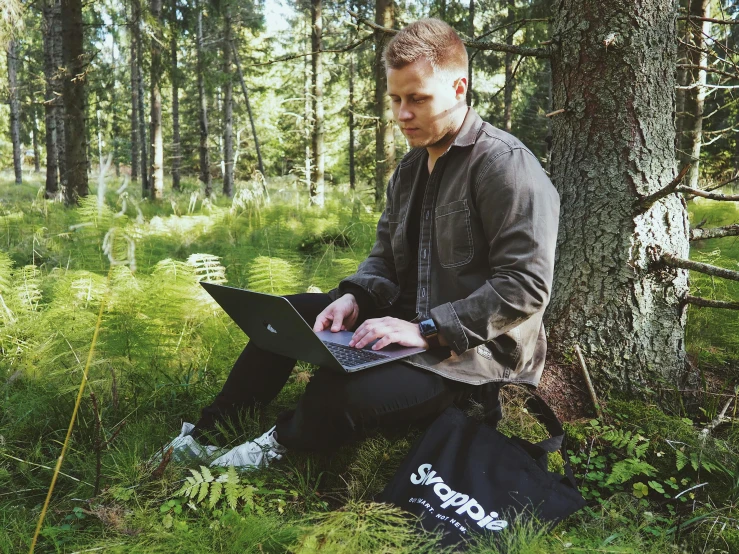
[388, 330]
[340, 315]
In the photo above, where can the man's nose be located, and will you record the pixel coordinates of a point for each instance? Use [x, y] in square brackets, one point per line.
[404, 114]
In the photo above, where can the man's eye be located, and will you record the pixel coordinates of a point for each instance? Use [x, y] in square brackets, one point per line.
[419, 100]
[395, 100]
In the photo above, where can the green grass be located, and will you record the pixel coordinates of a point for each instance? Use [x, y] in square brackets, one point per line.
[164, 351]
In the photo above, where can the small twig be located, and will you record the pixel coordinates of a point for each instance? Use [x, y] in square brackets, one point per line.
[707, 70]
[715, 232]
[588, 382]
[709, 195]
[708, 303]
[708, 269]
[709, 19]
[718, 419]
[555, 112]
[67, 475]
[678, 495]
[646, 202]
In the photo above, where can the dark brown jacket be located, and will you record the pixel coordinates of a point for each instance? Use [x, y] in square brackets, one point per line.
[488, 231]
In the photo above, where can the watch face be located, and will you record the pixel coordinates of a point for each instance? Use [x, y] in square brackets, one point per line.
[428, 328]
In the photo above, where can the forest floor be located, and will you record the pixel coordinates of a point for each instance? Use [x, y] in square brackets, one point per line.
[655, 483]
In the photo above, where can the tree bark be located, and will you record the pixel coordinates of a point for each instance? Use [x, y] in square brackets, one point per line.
[15, 108]
[317, 190]
[249, 112]
[471, 33]
[75, 131]
[228, 105]
[144, 145]
[34, 139]
[52, 169]
[384, 139]
[352, 169]
[203, 103]
[58, 83]
[175, 80]
[695, 98]
[133, 58]
[156, 175]
[508, 91]
[613, 144]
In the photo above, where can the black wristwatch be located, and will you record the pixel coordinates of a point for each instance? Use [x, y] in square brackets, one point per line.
[429, 332]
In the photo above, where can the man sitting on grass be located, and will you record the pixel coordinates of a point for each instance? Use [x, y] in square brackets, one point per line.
[464, 251]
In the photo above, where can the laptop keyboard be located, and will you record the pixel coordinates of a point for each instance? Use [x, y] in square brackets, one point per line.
[352, 357]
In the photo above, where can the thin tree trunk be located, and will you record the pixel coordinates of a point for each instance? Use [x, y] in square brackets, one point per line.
[203, 112]
[352, 170]
[133, 58]
[34, 138]
[175, 80]
[682, 80]
[144, 145]
[115, 126]
[75, 131]
[15, 108]
[318, 182]
[157, 141]
[307, 124]
[612, 145]
[52, 169]
[228, 113]
[508, 92]
[471, 33]
[248, 110]
[696, 97]
[61, 148]
[384, 139]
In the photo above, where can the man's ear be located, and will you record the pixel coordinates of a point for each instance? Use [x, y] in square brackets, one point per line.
[460, 87]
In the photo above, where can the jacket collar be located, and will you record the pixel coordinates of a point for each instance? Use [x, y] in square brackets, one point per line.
[470, 129]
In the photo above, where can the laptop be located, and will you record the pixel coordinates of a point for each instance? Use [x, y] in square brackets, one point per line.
[273, 324]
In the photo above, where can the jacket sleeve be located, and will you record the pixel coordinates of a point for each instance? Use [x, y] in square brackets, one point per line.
[377, 274]
[519, 211]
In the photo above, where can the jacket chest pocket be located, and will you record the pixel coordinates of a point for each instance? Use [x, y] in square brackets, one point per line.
[453, 234]
[395, 224]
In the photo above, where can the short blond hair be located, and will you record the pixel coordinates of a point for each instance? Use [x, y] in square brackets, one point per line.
[428, 38]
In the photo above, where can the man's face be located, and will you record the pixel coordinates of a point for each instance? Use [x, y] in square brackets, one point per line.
[429, 107]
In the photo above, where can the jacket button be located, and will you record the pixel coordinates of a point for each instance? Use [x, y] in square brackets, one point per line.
[428, 214]
[423, 293]
[424, 253]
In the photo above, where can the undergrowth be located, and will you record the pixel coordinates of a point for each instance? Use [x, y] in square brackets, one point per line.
[654, 483]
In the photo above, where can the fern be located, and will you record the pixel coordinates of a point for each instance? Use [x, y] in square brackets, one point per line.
[272, 275]
[227, 487]
[625, 470]
[208, 268]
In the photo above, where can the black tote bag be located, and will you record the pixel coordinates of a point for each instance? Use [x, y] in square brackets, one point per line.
[466, 477]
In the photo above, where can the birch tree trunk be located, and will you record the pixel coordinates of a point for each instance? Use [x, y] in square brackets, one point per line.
[157, 141]
[508, 91]
[228, 105]
[144, 145]
[695, 97]
[34, 139]
[352, 169]
[52, 169]
[203, 111]
[174, 78]
[384, 139]
[613, 67]
[15, 108]
[318, 185]
[134, 68]
[75, 132]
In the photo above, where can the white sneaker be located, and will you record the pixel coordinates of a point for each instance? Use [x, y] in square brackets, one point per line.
[253, 454]
[186, 448]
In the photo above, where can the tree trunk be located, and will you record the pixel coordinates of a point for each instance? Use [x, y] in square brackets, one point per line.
[175, 80]
[307, 124]
[471, 33]
[52, 169]
[317, 189]
[133, 58]
[228, 106]
[144, 145]
[34, 138]
[15, 108]
[75, 132]
[352, 169]
[203, 112]
[157, 159]
[695, 97]
[251, 115]
[508, 92]
[384, 139]
[612, 145]
[61, 149]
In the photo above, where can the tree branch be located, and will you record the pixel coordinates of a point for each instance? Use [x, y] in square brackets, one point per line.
[706, 303]
[352, 46]
[709, 195]
[709, 19]
[646, 201]
[708, 269]
[715, 232]
[478, 44]
[708, 70]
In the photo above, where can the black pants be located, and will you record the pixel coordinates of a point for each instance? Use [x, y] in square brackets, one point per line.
[337, 407]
